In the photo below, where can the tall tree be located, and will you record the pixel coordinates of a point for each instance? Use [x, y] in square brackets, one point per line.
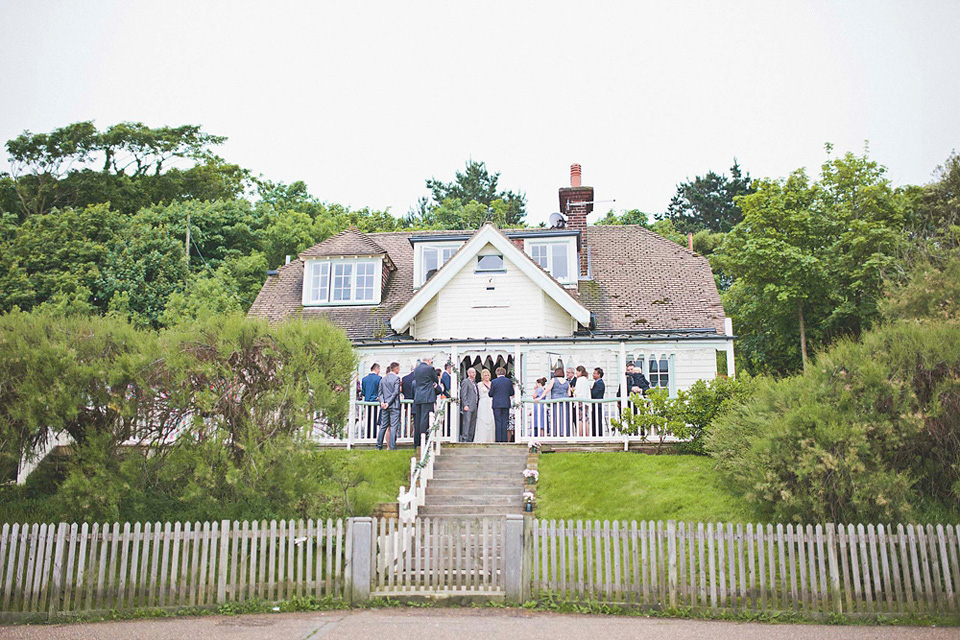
[708, 202]
[128, 164]
[808, 259]
[447, 206]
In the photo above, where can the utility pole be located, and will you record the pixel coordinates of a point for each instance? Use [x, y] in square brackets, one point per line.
[186, 280]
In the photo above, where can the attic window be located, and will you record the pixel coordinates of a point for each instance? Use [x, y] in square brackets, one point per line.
[341, 281]
[490, 262]
[434, 256]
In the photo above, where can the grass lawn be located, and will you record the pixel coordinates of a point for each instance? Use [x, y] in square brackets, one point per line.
[383, 472]
[631, 486]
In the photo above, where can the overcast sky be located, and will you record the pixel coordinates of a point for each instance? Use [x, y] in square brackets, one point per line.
[365, 100]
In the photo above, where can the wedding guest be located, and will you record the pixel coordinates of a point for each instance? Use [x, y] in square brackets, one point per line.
[445, 381]
[370, 385]
[406, 387]
[389, 397]
[469, 403]
[571, 377]
[582, 392]
[597, 391]
[558, 388]
[501, 390]
[424, 396]
[539, 409]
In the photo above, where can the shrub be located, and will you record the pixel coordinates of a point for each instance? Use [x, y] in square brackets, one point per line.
[868, 433]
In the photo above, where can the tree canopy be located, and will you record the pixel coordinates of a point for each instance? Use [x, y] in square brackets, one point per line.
[471, 199]
[708, 202]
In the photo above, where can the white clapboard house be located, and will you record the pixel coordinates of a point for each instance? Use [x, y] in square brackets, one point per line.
[525, 299]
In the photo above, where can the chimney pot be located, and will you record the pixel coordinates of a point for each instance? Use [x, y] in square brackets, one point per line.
[690, 241]
[575, 175]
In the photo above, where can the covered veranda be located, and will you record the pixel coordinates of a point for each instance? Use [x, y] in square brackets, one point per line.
[670, 361]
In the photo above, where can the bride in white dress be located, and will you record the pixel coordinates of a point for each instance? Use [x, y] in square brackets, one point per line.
[486, 432]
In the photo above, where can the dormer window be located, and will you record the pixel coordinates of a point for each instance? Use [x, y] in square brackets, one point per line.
[342, 281]
[557, 257]
[433, 256]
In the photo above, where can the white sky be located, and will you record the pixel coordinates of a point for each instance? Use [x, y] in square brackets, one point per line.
[365, 100]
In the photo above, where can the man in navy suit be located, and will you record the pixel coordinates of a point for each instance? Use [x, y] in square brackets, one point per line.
[424, 396]
[596, 392]
[370, 386]
[501, 390]
[445, 380]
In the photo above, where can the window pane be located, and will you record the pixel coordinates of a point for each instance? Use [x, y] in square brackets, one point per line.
[654, 377]
[489, 263]
[342, 281]
[430, 261]
[539, 254]
[319, 281]
[664, 376]
[447, 254]
[365, 278]
[560, 271]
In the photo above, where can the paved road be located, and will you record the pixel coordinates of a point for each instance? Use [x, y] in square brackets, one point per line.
[456, 624]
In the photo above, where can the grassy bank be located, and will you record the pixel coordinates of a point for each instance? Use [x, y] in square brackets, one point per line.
[629, 486]
[381, 474]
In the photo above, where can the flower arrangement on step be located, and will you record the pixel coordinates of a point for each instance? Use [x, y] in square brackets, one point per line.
[534, 446]
[528, 501]
[532, 475]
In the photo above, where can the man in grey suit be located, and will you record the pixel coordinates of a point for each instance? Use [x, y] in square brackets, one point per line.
[424, 396]
[389, 397]
[469, 402]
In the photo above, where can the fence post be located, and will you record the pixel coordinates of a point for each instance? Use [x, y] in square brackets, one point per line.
[513, 558]
[361, 560]
[672, 561]
[526, 591]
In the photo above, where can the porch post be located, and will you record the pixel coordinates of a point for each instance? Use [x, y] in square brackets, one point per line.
[352, 417]
[518, 412]
[728, 329]
[624, 391]
[454, 405]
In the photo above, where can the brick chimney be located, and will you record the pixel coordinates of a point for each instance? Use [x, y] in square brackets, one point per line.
[576, 202]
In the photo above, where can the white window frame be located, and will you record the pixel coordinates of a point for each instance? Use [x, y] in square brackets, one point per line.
[642, 361]
[440, 248]
[573, 266]
[326, 269]
[500, 269]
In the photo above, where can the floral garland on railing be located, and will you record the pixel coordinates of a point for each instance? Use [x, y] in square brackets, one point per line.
[437, 423]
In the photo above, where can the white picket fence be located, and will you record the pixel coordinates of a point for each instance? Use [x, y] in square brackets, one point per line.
[814, 570]
[56, 570]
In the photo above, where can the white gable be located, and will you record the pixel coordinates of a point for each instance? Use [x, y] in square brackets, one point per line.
[501, 304]
[506, 303]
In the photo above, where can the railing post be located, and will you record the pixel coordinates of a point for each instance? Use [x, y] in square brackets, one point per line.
[352, 416]
[513, 558]
[361, 560]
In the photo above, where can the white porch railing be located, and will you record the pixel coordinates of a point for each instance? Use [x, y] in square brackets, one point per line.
[367, 422]
[576, 420]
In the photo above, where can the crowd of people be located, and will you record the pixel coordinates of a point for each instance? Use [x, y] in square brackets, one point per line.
[485, 404]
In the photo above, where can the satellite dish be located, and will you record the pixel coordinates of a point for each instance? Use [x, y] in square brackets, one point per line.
[557, 221]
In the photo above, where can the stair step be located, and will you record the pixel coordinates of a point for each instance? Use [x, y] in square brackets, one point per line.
[468, 510]
[470, 500]
[435, 489]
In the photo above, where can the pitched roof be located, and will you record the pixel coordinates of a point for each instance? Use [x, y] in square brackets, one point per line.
[351, 242]
[641, 282]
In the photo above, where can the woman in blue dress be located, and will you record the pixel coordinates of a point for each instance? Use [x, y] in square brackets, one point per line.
[558, 387]
[539, 409]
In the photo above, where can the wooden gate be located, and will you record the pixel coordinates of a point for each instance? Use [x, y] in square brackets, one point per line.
[438, 555]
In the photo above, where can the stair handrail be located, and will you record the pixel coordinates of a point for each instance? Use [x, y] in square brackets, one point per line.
[410, 500]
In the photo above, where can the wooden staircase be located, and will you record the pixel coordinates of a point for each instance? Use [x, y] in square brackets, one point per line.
[471, 480]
